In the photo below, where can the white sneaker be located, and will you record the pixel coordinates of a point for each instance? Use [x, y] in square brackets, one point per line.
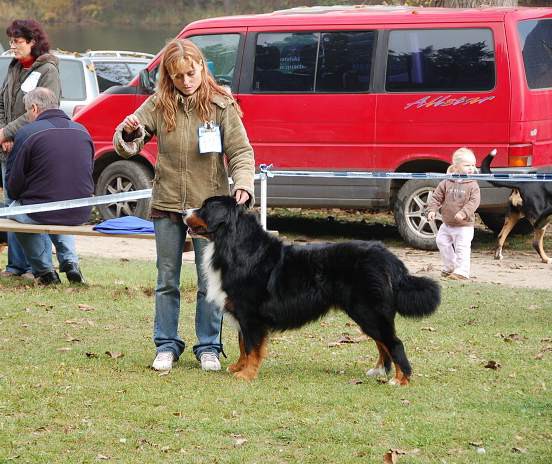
[163, 361]
[209, 361]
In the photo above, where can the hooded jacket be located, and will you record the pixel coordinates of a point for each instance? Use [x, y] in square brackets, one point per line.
[452, 196]
[12, 108]
[184, 177]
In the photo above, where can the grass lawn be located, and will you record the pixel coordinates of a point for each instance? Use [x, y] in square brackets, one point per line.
[63, 399]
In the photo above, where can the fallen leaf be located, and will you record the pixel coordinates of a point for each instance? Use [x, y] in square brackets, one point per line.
[85, 307]
[72, 339]
[239, 440]
[64, 348]
[89, 354]
[114, 354]
[493, 365]
[515, 449]
[429, 329]
[344, 339]
[102, 457]
[355, 382]
[476, 444]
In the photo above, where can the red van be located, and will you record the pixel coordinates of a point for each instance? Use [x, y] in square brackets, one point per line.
[362, 89]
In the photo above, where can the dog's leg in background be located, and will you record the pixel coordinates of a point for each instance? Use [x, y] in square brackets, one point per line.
[511, 220]
[253, 361]
[383, 365]
[395, 349]
[240, 363]
[538, 245]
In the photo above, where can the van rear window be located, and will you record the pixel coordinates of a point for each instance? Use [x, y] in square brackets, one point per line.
[334, 62]
[536, 45]
[440, 60]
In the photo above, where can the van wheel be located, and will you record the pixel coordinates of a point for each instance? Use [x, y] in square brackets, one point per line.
[409, 211]
[495, 221]
[119, 177]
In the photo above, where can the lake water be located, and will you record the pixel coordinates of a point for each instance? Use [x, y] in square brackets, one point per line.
[80, 39]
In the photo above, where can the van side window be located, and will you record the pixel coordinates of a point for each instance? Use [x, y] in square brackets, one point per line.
[221, 52]
[440, 60]
[285, 62]
[536, 45]
[313, 62]
[345, 61]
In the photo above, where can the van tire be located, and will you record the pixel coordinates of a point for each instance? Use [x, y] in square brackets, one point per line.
[495, 221]
[409, 212]
[124, 176]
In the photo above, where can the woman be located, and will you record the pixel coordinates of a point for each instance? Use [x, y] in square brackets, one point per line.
[192, 117]
[32, 66]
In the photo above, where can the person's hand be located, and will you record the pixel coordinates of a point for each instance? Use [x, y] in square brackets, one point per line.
[431, 216]
[459, 216]
[7, 146]
[131, 123]
[241, 196]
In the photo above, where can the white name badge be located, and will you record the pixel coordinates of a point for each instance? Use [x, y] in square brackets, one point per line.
[209, 139]
[31, 82]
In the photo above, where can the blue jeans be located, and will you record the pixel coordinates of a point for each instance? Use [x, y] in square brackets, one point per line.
[38, 247]
[17, 262]
[170, 238]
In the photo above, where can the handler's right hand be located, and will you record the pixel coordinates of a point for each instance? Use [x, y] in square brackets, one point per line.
[431, 216]
[131, 123]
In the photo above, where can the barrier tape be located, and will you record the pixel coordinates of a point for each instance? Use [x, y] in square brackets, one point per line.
[76, 203]
[501, 177]
[267, 172]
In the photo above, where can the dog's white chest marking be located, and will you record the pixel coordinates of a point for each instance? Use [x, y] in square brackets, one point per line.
[215, 293]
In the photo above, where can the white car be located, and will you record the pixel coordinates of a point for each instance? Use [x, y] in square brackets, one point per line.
[115, 67]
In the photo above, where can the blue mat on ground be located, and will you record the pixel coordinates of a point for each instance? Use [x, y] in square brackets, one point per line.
[125, 225]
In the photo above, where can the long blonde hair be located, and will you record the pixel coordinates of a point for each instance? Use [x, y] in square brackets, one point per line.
[176, 53]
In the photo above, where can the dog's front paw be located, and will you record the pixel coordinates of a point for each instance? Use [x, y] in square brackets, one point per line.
[236, 367]
[498, 254]
[403, 382]
[246, 374]
[376, 372]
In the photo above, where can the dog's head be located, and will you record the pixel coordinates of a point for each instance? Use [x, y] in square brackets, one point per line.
[214, 213]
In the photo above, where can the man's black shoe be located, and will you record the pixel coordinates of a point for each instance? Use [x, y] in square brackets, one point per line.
[73, 272]
[48, 278]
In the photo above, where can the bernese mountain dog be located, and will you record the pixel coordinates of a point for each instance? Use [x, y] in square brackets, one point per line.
[266, 285]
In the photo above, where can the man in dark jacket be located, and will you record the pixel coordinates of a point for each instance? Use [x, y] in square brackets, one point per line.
[51, 160]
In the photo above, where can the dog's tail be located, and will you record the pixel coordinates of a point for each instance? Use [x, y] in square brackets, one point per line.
[486, 169]
[417, 296]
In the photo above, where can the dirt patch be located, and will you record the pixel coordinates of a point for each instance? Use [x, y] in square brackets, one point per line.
[518, 269]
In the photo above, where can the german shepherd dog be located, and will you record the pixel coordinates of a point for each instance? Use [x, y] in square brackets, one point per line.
[265, 285]
[532, 200]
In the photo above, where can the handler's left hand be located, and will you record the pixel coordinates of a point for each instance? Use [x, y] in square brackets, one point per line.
[241, 196]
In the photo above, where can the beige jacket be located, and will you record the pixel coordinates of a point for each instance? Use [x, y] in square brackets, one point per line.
[183, 176]
[452, 196]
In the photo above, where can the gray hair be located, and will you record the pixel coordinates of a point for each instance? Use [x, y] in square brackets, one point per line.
[42, 97]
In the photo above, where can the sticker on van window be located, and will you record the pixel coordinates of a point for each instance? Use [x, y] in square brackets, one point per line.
[447, 100]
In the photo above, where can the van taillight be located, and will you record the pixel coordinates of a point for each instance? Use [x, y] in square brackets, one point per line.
[520, 156]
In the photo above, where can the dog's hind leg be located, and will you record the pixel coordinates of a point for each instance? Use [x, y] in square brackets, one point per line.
[511, 220]
[383, 364]
[240, 363]
[403, 371]
[253, 360]
[538, 244]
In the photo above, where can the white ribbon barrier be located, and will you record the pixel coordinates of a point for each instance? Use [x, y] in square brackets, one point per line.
[266, 172]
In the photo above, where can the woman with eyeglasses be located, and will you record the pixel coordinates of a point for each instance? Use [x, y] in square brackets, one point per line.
[32, 66]
[201, 139]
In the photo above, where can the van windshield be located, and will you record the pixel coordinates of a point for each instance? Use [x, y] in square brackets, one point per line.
[536, 45]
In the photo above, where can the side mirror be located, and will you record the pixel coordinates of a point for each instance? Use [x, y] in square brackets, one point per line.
[146, 81]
